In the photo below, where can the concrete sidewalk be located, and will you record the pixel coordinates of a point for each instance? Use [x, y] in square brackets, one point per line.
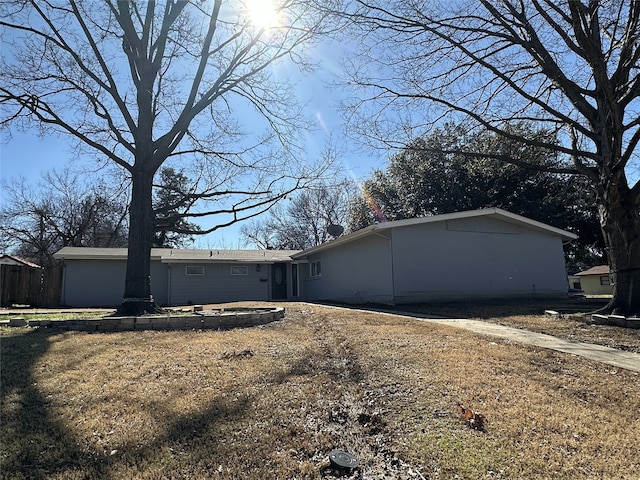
[598, 353]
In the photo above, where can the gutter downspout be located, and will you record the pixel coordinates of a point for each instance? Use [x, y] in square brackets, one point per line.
[169, 284]
[393, 276]
[63, 300]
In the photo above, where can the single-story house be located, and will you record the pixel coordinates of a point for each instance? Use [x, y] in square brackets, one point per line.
[95, 276]
[594, 281]
[488, 253]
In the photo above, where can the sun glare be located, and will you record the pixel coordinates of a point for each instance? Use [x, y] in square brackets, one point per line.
[263, 13]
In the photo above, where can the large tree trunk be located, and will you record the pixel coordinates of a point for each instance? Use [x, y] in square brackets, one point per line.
[620, 221]
[137, 290]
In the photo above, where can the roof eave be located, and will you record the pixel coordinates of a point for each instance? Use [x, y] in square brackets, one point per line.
[80, 253]
[337, 241]
[495, 212]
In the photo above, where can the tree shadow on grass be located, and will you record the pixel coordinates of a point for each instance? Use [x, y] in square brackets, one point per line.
[38, 444]
[191, 444]
[34, 443]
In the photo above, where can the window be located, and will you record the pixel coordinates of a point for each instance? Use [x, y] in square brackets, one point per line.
[604, 280]
[239, 270]
[316, 269]
[194, 270]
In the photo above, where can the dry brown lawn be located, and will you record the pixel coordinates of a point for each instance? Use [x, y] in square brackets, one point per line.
[530, 316]
[175, 405]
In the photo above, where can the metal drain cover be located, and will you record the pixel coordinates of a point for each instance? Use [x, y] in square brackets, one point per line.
[342, 459]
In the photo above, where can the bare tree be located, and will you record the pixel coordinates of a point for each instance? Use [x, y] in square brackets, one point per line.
[572, 67]
[303, 221]
[147, 84]
[62, 210]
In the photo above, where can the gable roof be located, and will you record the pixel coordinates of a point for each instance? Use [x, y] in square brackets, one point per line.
[597, 270]
[171, 255]
[13, 260]
[496, 213]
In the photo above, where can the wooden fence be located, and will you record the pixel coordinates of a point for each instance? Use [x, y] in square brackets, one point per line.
[36, 287]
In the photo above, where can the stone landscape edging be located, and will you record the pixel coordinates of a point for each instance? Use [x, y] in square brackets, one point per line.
[596, 319]
[223, 319]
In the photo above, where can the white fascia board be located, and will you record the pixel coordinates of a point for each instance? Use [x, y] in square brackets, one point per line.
[88, 253]
[335, 242]
[208, 256]
[489, 212]
[492, 212]
[514, 218]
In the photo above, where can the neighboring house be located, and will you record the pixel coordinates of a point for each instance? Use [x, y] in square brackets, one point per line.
[20, 281]
[595, 281]
[17, 261]
[487, 253]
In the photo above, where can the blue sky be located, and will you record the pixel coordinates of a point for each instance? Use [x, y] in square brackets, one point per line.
[26, 154]
[30, 155]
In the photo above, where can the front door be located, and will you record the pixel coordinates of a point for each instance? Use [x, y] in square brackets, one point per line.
[279, 281]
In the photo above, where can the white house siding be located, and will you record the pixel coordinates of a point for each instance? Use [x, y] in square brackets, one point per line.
[217, 284]
[357, 272]
[475, 257]
[100, 283]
